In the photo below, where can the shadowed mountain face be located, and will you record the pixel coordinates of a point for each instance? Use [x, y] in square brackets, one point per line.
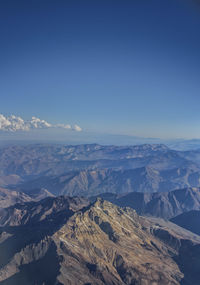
[165, 205]
[28, 254]
[43, 211]
[97, 244]
[189, 220]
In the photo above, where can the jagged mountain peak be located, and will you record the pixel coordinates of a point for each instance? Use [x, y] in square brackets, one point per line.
[114, 246]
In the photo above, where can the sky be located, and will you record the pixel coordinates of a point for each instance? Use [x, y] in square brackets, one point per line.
[109, 67]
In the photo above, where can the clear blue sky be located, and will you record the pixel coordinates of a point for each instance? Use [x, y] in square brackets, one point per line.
[123, 67]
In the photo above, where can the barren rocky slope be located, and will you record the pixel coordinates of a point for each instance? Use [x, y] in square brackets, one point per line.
[94, 244]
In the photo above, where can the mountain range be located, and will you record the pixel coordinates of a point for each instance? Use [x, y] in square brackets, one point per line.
[32, 160]
[70, 215]
[89, 170]
[68, 241]
[94, 182]
[33, 172]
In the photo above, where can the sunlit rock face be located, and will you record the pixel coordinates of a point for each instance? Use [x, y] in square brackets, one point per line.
[69, 241]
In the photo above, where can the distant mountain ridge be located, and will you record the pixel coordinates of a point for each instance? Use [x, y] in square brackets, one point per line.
[164, 205]
[10, 197]
[38, 159]
[92, 169]
[93, 182]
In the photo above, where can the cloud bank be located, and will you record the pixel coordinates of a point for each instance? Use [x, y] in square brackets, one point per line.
[13, 123]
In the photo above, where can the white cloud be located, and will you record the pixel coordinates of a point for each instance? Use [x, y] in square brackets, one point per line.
[37, 123]
[77, 128]
[63, 126]
[13, 123]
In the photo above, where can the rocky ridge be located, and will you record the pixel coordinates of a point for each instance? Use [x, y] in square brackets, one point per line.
[98, 244]
[164, 205]
[94, 182]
